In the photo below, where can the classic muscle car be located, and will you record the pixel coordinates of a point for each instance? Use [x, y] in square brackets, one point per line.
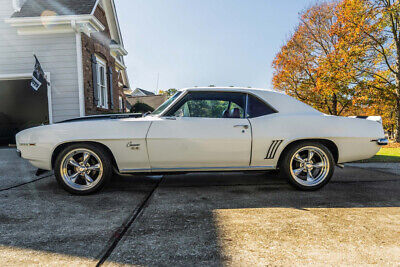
[203, 129]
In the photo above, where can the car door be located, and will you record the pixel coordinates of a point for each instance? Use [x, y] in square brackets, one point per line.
[203, 131]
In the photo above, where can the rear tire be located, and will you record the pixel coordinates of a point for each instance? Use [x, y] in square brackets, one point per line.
[83, 169]
[308, 165]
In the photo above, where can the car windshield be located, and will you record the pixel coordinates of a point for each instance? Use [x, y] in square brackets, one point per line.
[164, 105]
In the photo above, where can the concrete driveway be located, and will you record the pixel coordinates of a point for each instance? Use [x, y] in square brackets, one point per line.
[199, 219]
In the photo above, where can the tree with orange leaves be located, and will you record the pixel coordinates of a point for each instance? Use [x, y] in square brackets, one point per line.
[310, 66]
[374, 26]
[344, 58]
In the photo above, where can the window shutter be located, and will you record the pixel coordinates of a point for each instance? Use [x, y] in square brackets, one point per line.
[94, 78]
[110, 86]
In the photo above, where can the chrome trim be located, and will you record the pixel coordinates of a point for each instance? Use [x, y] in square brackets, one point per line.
[168, 108]
[27, 144]
[242, 125]
[246, 106]
[218, 89]
[381, 142]
[199, 168]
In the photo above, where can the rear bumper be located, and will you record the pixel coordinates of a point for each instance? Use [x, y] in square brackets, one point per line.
[381, 142]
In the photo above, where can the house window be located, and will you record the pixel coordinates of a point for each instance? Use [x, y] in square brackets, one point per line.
[120, 103]
[102, 89]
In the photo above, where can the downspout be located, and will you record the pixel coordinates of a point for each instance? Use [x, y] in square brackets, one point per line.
[79, 63]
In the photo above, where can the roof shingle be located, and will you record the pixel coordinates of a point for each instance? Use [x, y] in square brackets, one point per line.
[146, 92]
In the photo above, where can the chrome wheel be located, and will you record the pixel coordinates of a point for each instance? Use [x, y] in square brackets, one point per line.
[309, 166]
[81, 169]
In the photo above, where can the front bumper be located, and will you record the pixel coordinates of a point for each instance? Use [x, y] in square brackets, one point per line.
[381, 142]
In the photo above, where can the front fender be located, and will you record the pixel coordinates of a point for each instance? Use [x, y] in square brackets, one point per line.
[114, 134]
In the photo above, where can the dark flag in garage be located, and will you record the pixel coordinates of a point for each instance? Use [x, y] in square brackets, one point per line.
[38, 76]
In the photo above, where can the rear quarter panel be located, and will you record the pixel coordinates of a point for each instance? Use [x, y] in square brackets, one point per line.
[352, 136]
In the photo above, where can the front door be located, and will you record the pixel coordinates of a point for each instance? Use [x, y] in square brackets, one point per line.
[203, 131]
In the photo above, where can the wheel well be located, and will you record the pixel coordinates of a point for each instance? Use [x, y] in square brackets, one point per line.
[61, 147]
[328, 143]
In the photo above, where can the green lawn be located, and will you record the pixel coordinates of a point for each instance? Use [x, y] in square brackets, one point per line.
[386, 154]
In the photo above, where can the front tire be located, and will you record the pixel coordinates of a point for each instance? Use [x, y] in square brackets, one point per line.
[83, 169]
[308, 165]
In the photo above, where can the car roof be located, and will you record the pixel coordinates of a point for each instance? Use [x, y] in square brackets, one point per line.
[279, 100]
[230, 89]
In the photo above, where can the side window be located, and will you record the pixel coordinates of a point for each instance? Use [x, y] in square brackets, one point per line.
[257, 108]
[183, 111]
[210, 105]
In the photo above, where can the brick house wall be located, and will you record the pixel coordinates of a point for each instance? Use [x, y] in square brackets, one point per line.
[98, 44]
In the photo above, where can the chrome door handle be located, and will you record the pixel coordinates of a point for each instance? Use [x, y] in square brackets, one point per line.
[245, 126]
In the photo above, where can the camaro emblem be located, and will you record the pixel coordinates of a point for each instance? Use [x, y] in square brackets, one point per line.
[133, 146]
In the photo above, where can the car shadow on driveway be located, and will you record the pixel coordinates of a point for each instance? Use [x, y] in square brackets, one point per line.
[200, 219]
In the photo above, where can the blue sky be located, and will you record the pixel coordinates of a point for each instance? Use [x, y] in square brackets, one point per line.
[203, 42]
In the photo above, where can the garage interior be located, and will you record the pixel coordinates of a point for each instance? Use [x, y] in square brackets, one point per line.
[21, 107]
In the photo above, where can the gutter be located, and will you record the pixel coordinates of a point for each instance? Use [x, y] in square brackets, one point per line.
[84, 21]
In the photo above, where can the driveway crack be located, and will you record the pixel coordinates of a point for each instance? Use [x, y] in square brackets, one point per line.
[121, 231]
[18, 185]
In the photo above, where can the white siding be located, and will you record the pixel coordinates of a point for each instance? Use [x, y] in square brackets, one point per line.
[57, 55]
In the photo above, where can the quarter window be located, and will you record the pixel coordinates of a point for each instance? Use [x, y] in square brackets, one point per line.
[257, 108]
[102, 83]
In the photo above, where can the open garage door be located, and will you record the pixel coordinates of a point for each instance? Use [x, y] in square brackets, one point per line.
[21, 107]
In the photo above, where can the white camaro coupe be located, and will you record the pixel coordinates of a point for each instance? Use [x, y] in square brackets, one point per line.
[203, 129]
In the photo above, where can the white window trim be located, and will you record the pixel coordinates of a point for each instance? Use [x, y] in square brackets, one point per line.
[102, 103]
[79, 60]
[23, 76]
[120, 100]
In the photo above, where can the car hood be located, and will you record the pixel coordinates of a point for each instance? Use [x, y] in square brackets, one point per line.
[88, 128]
[105, 117]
